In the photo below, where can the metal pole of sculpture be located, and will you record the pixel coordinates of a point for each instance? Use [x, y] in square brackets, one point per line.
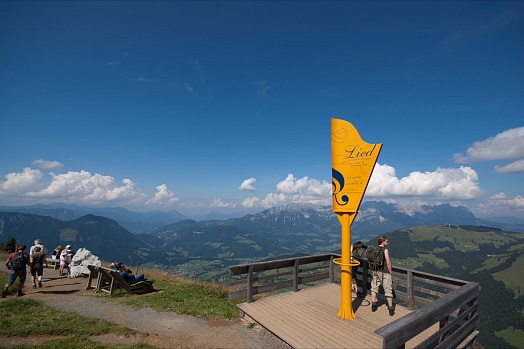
[352, 162]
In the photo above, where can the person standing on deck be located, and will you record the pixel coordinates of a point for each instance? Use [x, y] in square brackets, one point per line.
[382, 276]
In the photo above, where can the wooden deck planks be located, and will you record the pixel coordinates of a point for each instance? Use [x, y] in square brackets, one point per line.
[308, 319]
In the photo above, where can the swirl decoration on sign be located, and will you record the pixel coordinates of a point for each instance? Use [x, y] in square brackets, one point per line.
[340, 135]
[337, 182]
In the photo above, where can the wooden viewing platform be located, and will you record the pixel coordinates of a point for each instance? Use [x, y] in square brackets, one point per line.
[431, 311]
[308, 319]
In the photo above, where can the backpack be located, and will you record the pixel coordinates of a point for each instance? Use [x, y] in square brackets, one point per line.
[19, 262]
[375, 256]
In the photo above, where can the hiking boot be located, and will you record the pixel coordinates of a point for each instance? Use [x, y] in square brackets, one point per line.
[391, 311]
[4, 292]
[20, 293]
[34, 285]
[373, 307]
[39, 284]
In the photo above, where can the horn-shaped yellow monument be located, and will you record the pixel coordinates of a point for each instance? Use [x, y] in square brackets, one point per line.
[352, 162]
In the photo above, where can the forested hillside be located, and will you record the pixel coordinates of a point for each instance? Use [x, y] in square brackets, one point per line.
[485, 255]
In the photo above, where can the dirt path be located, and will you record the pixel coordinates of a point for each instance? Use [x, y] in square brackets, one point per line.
[160, 329]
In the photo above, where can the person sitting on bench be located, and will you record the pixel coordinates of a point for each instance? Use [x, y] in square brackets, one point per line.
[127, 274]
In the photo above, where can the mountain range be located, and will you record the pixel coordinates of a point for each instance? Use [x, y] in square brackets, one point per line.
[170, 239]
[373, 216]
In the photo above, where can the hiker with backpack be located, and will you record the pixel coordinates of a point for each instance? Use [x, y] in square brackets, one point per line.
[16, 263]
[380, 263]
[38, 261]
[358, 251]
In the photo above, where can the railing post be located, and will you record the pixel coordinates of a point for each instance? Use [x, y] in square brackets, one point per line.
[409, 290]
[295, 276]
[442, 324]
[249, 290]
[331, 269]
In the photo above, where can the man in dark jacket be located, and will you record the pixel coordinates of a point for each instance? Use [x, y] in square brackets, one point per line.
[16, 263]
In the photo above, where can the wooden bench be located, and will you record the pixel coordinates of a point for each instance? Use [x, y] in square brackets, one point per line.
[93, 274]
[109, 279]
[105, 282]
[55, 263]
[140, 287]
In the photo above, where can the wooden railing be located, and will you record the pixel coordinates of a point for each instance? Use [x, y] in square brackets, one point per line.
[265, 277]
[450, 302]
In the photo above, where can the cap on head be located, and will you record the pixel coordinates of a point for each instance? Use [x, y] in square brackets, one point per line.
[37, 241]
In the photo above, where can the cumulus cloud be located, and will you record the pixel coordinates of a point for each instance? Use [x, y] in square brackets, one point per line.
[251, 202]
[444, 183]
[88, 188]
[501, 205]
[163, 197]
[248, 185]
[273, 199]
[293, 190]
[514, 167]
[507, 145]
[222, 204]
[303, 186]
[48, 165]
[18, 183]
[79, 187]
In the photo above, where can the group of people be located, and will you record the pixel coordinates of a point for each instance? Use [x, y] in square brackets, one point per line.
[65, 256]
[127, 274]
[36, 260]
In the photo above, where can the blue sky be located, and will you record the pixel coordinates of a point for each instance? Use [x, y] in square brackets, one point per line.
[227, 106]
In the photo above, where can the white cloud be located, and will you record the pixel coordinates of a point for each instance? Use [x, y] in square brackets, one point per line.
[248, 185]
[292, 190]
[222, 204]
[445, 183]
[48, 165]
[251, 202]
[273, 199]
[303, 186]
[500, 195]
[514, 167]
[87, 188]
[501, 205]
[163, 197]
[18, 183]
[507, 145]
[442, 184]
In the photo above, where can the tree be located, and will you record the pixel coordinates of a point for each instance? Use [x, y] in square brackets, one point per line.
[9, 245]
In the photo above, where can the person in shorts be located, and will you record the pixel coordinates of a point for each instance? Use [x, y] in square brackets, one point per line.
[16, 264]
[38, 261]
[382, 277]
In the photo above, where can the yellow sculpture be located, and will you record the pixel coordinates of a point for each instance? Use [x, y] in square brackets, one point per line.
[352, 162]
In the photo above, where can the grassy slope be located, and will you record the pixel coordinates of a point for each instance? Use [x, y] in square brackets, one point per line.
[505, 247]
